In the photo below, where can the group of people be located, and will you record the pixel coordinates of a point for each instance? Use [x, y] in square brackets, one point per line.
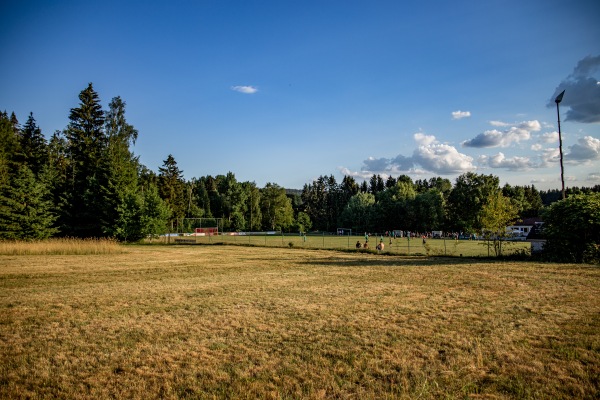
[379, 247]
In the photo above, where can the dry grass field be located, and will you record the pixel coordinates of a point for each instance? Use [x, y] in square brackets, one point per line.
[256, 322]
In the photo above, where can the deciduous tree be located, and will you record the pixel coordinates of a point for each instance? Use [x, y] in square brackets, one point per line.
[276, 208]
[469, 195]
[494, 216]
[572, 228]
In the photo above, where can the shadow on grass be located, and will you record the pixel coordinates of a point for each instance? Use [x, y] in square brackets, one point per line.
[386, 258]
[396, 261]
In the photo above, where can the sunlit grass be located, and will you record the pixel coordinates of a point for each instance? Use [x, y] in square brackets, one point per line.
[257, 322]
[401, 246]
[64, 246]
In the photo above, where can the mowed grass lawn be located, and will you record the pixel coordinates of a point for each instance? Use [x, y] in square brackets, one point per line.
[400, 246]
[256, 322]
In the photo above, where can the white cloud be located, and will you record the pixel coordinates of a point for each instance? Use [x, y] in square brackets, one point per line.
[442, 159]
[585, 150]
[593, 177]
[543, 180]
[495, 138]
[460, 114]
[530, 126]
[499, 123]
[355, 174]
[245, 89]
[571, 178]
[549, 137]
[424, 140]
[512, 164]
[549, 157]
[536, 147]
[429, 156]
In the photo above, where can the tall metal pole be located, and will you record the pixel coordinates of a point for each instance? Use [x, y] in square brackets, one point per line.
[562, 170]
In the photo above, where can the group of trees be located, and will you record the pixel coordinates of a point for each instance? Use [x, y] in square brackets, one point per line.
[475, 203]
[82, 182]
[85, 181]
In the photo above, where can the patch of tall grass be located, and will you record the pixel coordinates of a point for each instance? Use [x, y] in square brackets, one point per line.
[61, 246]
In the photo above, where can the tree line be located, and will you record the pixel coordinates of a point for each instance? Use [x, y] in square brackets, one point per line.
[85, 181]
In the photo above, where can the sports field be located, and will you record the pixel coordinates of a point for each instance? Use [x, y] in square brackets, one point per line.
[262, 322]
[401, 246]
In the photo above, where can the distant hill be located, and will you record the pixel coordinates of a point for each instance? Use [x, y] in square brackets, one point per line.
[296, 192]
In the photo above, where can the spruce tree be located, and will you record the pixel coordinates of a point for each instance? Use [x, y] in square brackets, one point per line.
[26, 208]
[171, 186]
[86, 144]
[121, 203]
[34, 148]
[9, 147]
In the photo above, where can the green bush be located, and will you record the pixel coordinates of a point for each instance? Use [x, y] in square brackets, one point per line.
[572, 229]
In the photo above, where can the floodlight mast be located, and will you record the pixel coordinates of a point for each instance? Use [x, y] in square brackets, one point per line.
[562, 170]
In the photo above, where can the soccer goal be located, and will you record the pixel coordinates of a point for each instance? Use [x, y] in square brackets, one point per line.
[200, 226]
[206, 231]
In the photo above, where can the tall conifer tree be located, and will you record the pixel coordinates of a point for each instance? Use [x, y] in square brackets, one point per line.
[171, 186]
[86, 143]
[25, 208]
[34, 147]
[121, 201]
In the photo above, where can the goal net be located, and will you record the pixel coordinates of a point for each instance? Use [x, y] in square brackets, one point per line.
[206, 231]
[200, 226]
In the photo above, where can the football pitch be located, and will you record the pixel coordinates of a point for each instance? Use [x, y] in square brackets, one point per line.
[400, 246]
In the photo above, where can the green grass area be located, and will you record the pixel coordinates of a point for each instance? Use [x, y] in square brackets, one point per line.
[401, 246]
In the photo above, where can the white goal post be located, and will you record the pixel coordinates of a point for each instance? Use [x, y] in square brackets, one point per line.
[200, 226]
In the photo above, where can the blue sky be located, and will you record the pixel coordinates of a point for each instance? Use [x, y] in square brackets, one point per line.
[285, 91]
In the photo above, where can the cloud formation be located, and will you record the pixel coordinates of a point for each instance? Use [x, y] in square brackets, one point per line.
[461, 114]
[512, 164]
[430, 156]
[582, 92]
[245, 89]
[549, 137]
[549, 157]
[593, 177]
[495, 138]
[545, 138]
[585, 150]
[442, 159]
[433, 157]
[499, 123]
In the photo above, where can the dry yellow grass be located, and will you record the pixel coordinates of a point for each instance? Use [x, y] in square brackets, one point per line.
[62, 246]
[238, 322]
